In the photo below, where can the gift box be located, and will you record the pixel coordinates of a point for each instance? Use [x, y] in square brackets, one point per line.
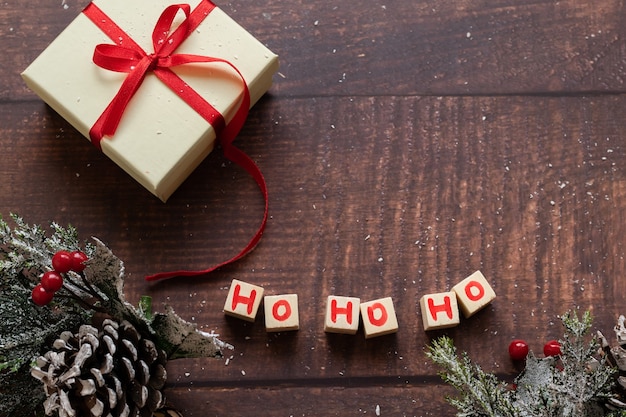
[162, 135]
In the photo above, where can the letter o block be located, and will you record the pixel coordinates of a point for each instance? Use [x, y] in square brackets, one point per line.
[281, 312]
[342, 315]
[440, 310]
[379, 317]
[243, 300]
[474, 293]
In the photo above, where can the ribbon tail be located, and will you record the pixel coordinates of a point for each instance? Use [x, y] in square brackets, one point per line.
[240, 158]
[243, 160]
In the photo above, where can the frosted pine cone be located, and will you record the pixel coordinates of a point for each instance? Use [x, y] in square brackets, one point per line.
[106, 371]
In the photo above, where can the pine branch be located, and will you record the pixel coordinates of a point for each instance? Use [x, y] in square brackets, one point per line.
[25, 252]
[481, 393]
[27, 330]
[576, 383]
[571, 385]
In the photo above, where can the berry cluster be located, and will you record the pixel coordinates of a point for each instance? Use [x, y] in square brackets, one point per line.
[52, 281]
[518, 349]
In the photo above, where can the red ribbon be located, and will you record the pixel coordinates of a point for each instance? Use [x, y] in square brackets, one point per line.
[127, 56]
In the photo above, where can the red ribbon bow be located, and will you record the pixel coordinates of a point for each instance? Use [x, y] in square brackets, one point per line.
[127, 56]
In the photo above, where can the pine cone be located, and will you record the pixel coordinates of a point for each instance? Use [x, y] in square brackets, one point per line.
[106, 371]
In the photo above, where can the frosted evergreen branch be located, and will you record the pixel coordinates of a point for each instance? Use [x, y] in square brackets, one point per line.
[26, 252]
[576, 383]
[481, 394]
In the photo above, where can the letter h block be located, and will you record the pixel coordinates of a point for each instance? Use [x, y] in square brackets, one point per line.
[474, 293]
[281, 312]
[342, 315]
[243, 300]
[440, 310]
[379, 317]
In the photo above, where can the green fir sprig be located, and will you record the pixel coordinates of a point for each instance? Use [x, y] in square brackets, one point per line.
[482, 393]
[579, 382]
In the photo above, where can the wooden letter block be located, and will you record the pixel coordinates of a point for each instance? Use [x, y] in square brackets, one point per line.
[281, 312]
[379, 317]
[342, 315]
[243, 300]
[439, 310]
[474, 293]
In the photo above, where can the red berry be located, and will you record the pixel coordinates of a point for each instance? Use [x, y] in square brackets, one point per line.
[552, 348]
[52, 281]
[40, 296]
[518, 350]
[78, 259]
[62, 261]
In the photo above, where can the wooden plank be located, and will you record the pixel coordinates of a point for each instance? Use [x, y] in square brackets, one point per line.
[375, 197]
[319, 401]
[404, 48]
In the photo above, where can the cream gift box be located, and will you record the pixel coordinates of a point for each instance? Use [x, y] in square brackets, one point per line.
[160, 139]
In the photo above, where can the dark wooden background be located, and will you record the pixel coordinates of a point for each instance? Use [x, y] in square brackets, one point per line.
[405, 144]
